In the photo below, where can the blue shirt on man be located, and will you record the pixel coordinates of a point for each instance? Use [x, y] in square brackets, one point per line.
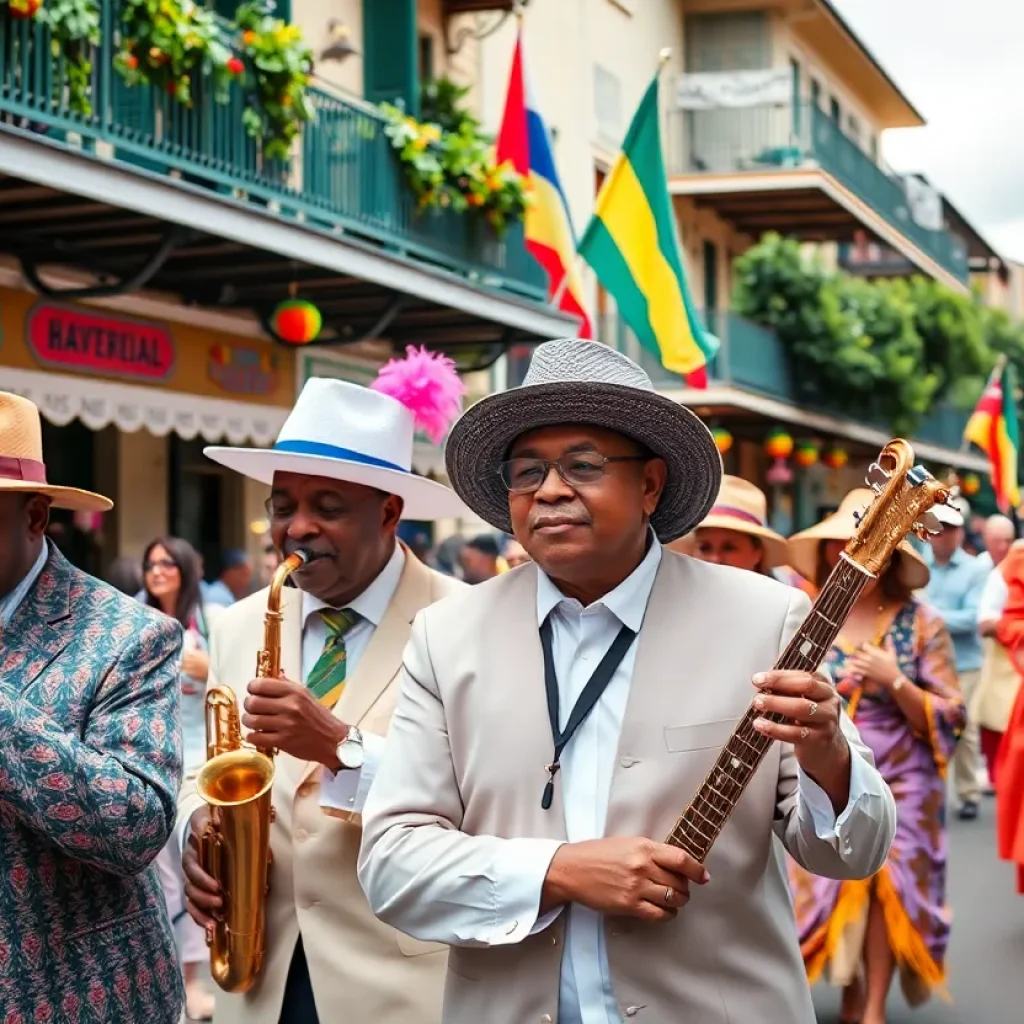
[954, 591]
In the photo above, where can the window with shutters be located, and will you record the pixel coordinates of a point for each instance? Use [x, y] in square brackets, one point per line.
[608, 106]
[728, 42]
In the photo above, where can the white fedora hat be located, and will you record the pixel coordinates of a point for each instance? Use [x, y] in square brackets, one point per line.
[345, 431]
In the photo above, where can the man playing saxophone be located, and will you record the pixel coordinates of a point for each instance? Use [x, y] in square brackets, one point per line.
[340, 476]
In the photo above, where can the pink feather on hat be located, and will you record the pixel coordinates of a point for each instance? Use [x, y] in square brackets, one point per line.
[428, 385]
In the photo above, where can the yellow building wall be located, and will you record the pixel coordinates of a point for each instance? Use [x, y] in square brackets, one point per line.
[200, 356]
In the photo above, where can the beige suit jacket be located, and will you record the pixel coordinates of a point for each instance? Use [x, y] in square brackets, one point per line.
[465, 759]
[355, 961]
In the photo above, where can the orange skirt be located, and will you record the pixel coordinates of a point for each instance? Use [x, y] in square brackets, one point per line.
[1010, 793]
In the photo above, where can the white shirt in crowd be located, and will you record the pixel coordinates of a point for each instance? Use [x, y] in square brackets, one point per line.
[993, 596]
[497, 897]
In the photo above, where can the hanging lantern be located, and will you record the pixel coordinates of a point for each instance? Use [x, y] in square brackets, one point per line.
[723, 439]
[805, 454]
[778, 444]
[836, 457]
[296, 321]
[970, 484]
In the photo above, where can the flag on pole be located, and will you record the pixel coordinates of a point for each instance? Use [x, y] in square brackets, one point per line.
[633, 246]
[994, 429]
[523, 140]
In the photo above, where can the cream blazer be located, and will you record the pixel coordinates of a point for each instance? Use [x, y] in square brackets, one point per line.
[361, 969]
[465, 758]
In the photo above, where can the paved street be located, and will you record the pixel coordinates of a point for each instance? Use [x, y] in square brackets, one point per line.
[986, 965]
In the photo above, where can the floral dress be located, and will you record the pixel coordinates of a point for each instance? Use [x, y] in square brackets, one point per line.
[911, 886]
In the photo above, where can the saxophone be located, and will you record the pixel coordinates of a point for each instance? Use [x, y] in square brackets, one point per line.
[236, 782]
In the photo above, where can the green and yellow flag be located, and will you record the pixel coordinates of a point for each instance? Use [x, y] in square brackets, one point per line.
[633, 246]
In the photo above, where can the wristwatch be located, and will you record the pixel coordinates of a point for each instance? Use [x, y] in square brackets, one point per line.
[350, 749]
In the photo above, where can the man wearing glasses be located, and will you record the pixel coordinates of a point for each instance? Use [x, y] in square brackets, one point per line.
[340, 480]
[554, 723]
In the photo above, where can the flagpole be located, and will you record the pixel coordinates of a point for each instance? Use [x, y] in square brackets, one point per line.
[664, 57]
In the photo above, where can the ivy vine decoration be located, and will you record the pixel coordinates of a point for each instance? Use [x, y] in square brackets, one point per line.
[74, 27]
[168, 45]
[277, 69]
[456, 169]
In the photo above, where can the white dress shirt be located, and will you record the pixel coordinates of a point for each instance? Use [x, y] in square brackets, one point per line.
[993, 597]
[348, 789]
[492, 887]
[10, 603]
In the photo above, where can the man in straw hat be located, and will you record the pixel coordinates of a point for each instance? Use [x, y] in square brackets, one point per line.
[89, 769]
[340, 478]
[541, 748]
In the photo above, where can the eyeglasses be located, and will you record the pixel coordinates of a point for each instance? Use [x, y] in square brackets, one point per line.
[577, 469]
[161, 563]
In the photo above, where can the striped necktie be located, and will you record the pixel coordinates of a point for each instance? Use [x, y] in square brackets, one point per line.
[327, 678]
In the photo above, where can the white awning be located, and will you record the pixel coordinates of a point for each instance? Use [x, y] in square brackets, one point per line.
[99, 403]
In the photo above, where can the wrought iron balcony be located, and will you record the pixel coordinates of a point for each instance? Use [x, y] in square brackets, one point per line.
[344, 178]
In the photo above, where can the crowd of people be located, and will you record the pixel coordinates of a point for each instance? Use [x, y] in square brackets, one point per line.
[480, 747]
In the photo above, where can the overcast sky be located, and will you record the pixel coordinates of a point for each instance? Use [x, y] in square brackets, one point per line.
[961, 65]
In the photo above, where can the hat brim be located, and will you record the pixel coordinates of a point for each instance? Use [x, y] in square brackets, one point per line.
[74, 499]
[481, 438]
[803, 547]
[423, 499]
[776, 551]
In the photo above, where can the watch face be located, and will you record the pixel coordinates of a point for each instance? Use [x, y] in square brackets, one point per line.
[350, 753]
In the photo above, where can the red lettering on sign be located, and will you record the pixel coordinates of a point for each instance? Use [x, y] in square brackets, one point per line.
[74, 338]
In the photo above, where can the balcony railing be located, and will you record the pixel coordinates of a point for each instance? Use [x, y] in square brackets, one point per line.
[753, 359]
[766, 138]
[344, 177]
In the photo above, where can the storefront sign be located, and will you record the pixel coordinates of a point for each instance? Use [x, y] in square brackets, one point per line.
[75, 338]
[243, 371]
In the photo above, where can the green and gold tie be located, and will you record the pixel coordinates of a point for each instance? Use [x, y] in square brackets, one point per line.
[327, 678]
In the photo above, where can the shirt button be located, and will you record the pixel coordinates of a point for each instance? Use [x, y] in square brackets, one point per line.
[301, 835]
[626, 761]
[632, 1011]
[546, 1019]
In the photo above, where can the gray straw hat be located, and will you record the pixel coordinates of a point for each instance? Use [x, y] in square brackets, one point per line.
[571, 381]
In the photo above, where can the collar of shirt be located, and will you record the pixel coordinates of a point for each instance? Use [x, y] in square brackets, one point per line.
[627, 602]
[9, 604]
[373, 602]
[958, 558]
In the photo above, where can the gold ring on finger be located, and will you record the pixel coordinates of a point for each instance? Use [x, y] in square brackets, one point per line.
[804, 733]
[670, 895]
[812, 709]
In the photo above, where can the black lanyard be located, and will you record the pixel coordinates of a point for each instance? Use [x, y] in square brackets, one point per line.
[586, 701]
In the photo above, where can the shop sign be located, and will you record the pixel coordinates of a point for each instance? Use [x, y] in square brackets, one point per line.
[240, 370]
[75, 338]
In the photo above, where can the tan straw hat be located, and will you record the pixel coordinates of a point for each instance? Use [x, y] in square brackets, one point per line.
[743, 508]
[21, 459]
[804, 546]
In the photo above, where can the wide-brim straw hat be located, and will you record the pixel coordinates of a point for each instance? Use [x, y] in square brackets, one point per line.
[804, 547]
[345, 431]
[586, 383]
[743, 508]
[22, 468]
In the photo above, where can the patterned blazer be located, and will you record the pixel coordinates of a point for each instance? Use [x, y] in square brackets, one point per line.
[90, 764]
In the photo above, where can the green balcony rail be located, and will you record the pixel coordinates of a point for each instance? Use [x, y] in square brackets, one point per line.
[785, 137]
[344, 177]
[753, 359]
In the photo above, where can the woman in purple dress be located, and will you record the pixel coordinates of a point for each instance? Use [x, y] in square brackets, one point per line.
[893, 662]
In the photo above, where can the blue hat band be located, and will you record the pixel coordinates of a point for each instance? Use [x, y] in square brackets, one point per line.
[330, 451]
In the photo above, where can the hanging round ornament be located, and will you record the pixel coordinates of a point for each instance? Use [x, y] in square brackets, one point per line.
[835, 457]
[723, 440]
[296, 322]
[970, 484]
[805, 454]
[778, 444]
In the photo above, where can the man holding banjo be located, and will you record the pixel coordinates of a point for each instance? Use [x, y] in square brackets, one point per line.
[555, 714]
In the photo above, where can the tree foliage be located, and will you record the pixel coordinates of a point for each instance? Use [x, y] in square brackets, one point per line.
[889, 349]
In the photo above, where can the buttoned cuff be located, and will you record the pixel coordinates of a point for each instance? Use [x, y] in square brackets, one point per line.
[827, 826]
[519, 872]
[347, 789]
